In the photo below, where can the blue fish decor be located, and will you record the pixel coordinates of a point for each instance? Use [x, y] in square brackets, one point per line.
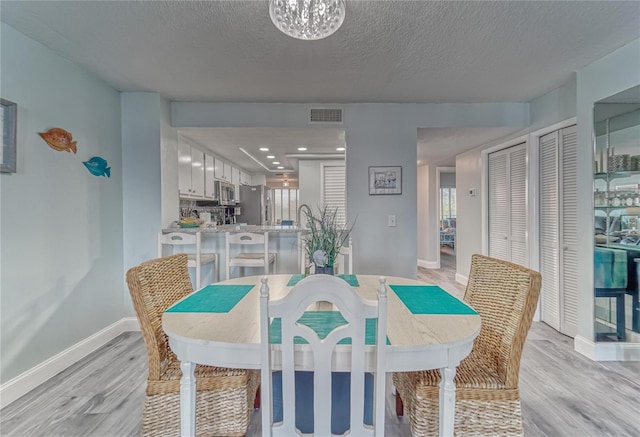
[98, 167]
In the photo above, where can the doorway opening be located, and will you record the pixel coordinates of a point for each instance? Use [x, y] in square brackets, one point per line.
[447, 220]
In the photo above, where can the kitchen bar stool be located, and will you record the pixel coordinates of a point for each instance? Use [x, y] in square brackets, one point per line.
[197, 259]
[243, 259]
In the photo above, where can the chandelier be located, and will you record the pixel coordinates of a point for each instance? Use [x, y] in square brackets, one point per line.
[307, 19]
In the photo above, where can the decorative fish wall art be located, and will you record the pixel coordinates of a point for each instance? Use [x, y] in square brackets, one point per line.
[98, 167]
[59, 139]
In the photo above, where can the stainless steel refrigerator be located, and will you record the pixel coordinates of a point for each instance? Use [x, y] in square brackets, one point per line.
[255, 203]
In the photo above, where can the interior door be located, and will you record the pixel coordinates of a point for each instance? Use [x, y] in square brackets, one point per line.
[549, 231]
[508, 204]
[568, 231]
[558, 233]
[498, 205]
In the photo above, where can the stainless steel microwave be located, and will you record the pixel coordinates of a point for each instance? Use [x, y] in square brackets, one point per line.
[225, 193]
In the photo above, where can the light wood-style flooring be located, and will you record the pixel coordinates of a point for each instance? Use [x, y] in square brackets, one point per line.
[563, 393]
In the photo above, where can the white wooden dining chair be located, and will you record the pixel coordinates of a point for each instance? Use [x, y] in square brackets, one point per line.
[345, 259]
[355, 311]
[257, 258]
[197, 258]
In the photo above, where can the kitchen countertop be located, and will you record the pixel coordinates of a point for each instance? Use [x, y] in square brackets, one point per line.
[211, 229]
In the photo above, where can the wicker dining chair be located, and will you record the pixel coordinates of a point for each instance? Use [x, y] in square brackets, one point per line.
[225, 397]
[487, 396]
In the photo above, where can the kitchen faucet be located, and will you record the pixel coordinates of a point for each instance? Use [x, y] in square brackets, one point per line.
[307, 207]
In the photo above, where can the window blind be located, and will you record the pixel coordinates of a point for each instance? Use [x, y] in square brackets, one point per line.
[334, 190]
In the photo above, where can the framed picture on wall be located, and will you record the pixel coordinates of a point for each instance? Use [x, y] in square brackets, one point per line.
[385, 180]
[8, 120]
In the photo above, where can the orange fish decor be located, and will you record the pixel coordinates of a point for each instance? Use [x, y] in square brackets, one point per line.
[59, 139]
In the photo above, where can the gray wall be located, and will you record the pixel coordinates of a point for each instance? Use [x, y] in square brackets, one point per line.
[60, 226]
[555, 106]
[142, 153]
[376, 135]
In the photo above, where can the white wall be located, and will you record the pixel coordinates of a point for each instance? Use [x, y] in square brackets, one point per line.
[468, 209]
[610, 75]
[423, 216]
[61, 227]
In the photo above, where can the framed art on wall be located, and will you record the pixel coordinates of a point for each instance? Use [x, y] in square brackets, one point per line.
[8, 120]
[385, 180]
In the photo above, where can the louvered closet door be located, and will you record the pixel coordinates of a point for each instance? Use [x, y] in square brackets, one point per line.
[508, 204]
[498, 205]
[558, 234]
[549, 230]
[518, 205]
[568, 232]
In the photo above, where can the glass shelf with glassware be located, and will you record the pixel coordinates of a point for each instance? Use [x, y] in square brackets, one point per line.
[616, 208]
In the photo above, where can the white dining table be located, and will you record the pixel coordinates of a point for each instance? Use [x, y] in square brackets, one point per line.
[232, 339]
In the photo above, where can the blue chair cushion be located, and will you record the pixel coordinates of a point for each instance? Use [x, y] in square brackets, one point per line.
[340, 393]
[610, 268]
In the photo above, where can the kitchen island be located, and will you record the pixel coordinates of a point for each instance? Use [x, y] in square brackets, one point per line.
[283, 240]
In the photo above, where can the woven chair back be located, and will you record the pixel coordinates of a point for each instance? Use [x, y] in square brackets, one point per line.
[505, 295]
[154, 286]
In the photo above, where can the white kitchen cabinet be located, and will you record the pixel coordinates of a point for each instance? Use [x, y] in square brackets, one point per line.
[197, 173]
[190, 171]
[245, 179]
[227, 172]
[235, 176]
[184, 169]
[218, 169]
[209, 186]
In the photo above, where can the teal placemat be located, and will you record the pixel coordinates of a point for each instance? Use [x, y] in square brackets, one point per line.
[212, 299]
[323, 322]
[351, 279]
[430, 299]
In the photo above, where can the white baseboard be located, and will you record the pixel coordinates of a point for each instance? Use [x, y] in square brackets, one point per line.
[607, 351]
[428, 264]
[462, 279]
[27, 381]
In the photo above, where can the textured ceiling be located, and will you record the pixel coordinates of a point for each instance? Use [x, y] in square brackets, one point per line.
[386, 51]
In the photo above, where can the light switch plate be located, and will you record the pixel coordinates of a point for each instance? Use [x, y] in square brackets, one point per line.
[391, 220]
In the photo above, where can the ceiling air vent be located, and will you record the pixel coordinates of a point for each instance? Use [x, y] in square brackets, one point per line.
[325, 115]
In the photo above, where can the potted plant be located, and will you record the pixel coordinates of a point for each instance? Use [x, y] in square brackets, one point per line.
[324, 238]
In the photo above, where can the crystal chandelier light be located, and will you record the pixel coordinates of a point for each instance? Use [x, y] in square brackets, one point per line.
[307, 19]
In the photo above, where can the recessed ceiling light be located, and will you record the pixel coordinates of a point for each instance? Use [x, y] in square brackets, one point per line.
[302, 149]
[264, 149]
[340, 149]
[270, 156]
[280, 167]
[276, 162]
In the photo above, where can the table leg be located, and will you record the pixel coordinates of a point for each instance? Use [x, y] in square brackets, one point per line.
[187, 400]
[447, 407]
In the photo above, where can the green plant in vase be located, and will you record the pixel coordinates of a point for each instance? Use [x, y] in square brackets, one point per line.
[325, 236]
